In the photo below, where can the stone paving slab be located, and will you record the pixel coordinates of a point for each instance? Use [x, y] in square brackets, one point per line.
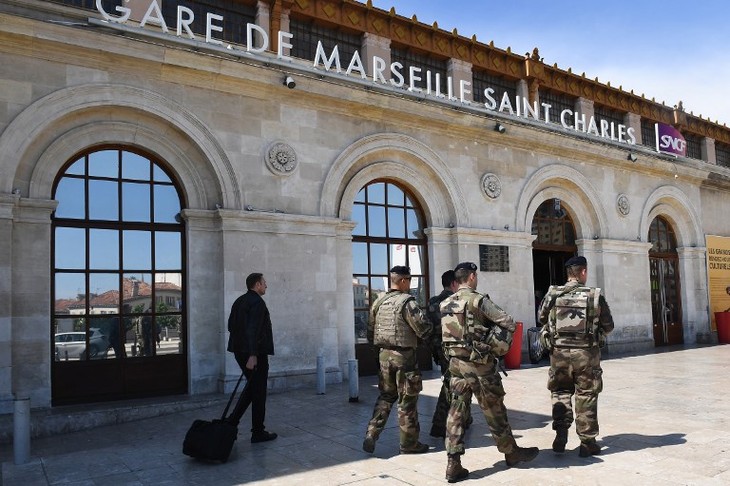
[665, 420]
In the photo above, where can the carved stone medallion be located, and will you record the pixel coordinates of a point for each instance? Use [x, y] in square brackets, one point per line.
[491, 185]
[622, 205]
[281, 159]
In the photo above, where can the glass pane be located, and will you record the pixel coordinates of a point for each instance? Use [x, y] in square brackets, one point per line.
[358, 216]
[409, 203]
[376, 221]
[167, 204]
[137, 250]
[168, 292]
[159, 175]
[104, 163]
[77, 167]
[69, 340]
[415, 261]
[168, 250]
[137, 293]
[361, 325]
[395, 195]
[105, 333]
[379, 259]
[136, 202]
[135, 167]
[70, 197]
[103, 249]
[396, 223]
[376, 193]
[70, 293]
[169, 330]
[70, 251]
[360, 196]
[359, 258]
[413, 225]
[360, 293]
[103, 200]
[104, 293]
[378, 285]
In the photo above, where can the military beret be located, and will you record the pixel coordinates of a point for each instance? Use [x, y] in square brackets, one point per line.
[577, 261]
[401, 270]
[466, 266]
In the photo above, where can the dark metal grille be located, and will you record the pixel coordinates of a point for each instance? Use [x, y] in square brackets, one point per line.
[694, 146]
[306, 35]
[722, 154]
[408, 58]
[611, 116]
[558, 102]
[500, 85]
[648, 133]
[235, 17]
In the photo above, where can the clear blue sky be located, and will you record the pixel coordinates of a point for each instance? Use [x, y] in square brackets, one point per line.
[670, 50]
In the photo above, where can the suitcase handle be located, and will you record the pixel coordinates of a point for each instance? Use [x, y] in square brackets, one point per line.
[230, 400]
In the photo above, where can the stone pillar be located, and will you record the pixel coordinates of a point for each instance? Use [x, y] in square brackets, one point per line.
[375, 46]
[263, 20]
[584, 106]
[138, 9]
[31, 300]
[695, 295]
[708, 150]
[632, 120]
[523, 91]
[7, 204]
[621, 269]
[460, 71]
[345, 317]
[441, 254]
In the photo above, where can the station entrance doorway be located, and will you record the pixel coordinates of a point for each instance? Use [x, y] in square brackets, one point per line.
[554, 245]
[666, 303]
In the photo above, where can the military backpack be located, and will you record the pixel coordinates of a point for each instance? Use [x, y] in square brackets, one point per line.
[573, 321]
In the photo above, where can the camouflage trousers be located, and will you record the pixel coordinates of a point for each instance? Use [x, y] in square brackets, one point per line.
[576, 372]
[444, 400]
[399, 379]
[484, 382]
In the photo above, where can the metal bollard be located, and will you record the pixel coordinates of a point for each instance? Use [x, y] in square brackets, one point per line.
[21, 431]
[354, 379]
[320, 375]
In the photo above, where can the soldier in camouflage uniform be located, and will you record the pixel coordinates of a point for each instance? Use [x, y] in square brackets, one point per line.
[476, 332]
[396, 323]
[438, 423]
[575, 319]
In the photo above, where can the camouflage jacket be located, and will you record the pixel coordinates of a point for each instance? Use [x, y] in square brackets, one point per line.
[474, 327]
[397, 321]
[575, 316]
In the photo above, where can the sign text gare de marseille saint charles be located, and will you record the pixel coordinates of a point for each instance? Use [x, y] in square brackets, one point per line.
[521, 107]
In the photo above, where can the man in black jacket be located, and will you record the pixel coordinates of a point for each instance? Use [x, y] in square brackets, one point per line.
[251, 342]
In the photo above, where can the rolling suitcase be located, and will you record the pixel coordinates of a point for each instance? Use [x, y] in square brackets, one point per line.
[212, 440]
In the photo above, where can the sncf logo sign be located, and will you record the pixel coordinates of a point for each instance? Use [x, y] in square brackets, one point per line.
[669, 140]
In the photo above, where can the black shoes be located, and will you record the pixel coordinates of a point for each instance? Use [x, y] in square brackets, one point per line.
[454, 471]
[262, 436]
[416, 449]
[521, 454]
[368, 445]
[590, 448]
[561, 438]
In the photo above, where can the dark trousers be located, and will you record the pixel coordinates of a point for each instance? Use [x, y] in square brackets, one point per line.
[254, 394]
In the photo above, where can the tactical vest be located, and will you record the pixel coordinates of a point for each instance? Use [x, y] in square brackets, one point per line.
[391, 329]
[464, 334]
[573, 321]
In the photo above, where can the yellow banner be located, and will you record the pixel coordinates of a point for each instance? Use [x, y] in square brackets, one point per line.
[718, 275]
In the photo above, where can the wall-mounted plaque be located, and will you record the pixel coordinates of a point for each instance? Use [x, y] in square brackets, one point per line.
[493, 258]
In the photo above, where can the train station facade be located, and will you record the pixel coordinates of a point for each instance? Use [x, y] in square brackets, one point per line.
[154, 154]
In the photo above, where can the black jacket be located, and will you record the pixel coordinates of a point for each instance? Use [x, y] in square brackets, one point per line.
[250, 326]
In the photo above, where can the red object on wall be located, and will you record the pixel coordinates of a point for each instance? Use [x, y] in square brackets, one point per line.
[513, 358]
[722, 319]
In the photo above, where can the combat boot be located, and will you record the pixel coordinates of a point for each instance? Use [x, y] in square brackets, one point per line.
[521, 454]
[368, 445]
[561, 438]
[589, 448]
[454, 471]
[419, 448]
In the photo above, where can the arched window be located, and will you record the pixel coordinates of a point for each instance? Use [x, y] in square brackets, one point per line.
[388, 233]
[118, 276]
[554, 227]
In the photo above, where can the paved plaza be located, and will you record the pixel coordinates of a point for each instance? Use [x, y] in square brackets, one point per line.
[665, 420]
